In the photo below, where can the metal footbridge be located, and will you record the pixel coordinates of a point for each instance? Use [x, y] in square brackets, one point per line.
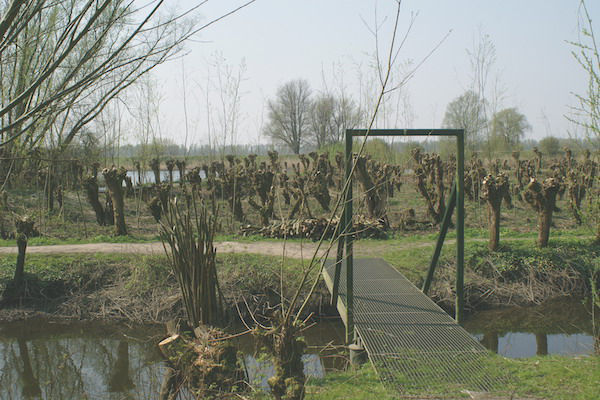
[413, 344]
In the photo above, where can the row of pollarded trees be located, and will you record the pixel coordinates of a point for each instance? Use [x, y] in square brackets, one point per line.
[577, 179]
[536, 187]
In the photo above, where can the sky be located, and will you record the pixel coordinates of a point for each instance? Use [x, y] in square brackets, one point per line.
[282, 40]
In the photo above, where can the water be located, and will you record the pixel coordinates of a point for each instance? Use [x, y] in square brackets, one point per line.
[148, 176]
[561, 327]
[45, 360]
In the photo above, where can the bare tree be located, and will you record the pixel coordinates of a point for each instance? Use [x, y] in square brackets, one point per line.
[467, 112]
[63, 61]
[289, 114]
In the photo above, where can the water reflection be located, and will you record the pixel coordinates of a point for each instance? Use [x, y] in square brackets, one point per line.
[560, 327]
[45, 360]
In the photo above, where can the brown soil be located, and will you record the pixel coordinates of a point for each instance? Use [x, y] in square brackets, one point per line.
[292, 249]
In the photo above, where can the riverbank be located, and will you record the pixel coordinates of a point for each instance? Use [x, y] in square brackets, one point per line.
[134, 282]
[140, 289]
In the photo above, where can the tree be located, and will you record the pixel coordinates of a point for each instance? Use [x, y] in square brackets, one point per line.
[508, 127]
[330, 117]
[467, 112]
[63, 61]
[289, 114]
[550, 145]
[322, 120]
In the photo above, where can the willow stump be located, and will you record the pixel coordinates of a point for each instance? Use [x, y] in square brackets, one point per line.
[114, 181]
[542, 198]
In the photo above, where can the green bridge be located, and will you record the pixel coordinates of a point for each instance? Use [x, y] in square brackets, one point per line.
[414, 345]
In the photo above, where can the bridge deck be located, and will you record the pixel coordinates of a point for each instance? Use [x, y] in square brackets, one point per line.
[410, 340]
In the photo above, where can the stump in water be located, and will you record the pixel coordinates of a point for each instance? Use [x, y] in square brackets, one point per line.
[155, 167]
[493, 191]
[91, 190]
[542, 198]
[287, 346]
[207, 366]
[114, 181]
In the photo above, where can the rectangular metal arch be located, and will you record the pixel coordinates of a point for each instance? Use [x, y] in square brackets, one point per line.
[346, 218]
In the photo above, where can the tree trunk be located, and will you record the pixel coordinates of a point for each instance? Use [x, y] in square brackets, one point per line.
[25, 229]
[542, 197]
[20, 267]
[494, 216]
[114, 181]
[545, 221]
[493, 191]
[155, 166]
[91, 190]
[541, 341]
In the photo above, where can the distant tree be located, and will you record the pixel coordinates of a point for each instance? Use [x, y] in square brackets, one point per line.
[550, 146]
[508, 127]
[467, 112]
[289, 114]
[322, 120]
[330, 117]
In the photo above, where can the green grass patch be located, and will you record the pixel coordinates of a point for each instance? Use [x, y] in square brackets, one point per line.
[49, 241]
[548, 377]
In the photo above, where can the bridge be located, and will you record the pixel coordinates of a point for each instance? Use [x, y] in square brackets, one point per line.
[413, 344]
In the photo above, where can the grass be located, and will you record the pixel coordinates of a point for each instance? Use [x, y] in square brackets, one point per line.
[549, 377]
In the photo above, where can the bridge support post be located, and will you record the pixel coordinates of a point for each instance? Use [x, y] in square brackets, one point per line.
[358, 354]
[440, 242]
[460, 227]
[348, 235]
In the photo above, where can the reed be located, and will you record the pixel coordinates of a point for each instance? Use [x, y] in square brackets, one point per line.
[187, 233]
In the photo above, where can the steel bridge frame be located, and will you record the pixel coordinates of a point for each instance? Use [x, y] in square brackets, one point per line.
[345, 234]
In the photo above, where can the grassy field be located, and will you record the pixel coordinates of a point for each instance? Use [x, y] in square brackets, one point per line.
[551, 377]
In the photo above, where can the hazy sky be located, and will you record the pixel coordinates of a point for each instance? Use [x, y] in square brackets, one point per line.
[280, 40]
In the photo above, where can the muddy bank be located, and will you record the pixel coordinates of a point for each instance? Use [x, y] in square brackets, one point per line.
[142, 289]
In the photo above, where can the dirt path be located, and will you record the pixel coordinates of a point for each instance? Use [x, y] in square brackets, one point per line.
[271, 248]
[293, 249]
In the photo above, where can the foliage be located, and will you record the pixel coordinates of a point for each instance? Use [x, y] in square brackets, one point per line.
[550, 146]
[467, 112]
[508, 128]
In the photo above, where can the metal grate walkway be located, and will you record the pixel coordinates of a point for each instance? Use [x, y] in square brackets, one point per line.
[411, 341]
